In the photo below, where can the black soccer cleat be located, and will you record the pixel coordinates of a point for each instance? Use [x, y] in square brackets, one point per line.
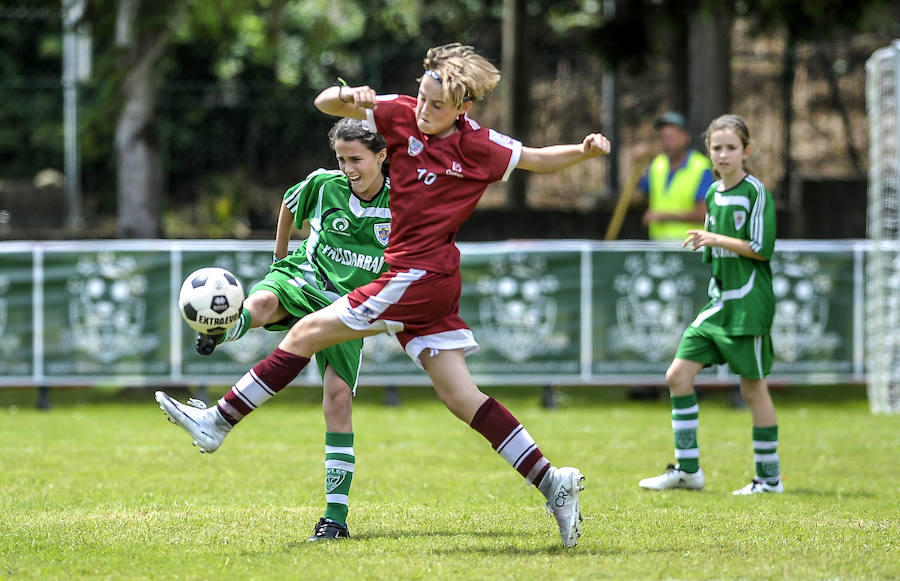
[327, 530]
[206, 344]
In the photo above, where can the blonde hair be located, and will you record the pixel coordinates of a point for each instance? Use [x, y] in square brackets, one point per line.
[734, 123]
[464, 74]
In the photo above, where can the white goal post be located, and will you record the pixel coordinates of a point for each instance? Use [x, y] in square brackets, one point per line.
[883, 270]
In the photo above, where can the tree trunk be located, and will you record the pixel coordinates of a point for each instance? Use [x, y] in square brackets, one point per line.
[709, 65]
[137, 153]
[676, 45]
[517, 97]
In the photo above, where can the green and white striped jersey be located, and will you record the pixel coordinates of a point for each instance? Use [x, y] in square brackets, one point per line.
[742, 301]
[347, 236]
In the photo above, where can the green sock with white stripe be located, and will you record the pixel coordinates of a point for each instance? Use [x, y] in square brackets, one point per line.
[339, 463]
[765, 454]
[685, 413]
[240, 328]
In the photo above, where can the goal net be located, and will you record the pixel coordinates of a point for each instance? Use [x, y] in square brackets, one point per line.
[883, 268]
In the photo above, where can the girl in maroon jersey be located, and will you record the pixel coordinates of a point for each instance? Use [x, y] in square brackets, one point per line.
[441, 161]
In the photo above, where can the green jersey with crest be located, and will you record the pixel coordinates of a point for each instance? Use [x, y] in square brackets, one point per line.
[742, 301]
[347, 236]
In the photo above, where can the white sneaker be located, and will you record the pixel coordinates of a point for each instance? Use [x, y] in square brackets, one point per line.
[674, 477]
[206, 425]
[563, 503]
[759, 487]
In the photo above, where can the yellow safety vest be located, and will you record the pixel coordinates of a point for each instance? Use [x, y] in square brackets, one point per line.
[679, 195]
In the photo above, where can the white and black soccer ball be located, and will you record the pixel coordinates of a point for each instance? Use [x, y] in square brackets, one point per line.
[210, 300]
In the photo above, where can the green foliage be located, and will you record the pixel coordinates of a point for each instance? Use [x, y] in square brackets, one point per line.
[30, 65]
[102, 486]
[817, 20]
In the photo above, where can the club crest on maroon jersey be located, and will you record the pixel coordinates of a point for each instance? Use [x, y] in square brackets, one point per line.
[415, 146]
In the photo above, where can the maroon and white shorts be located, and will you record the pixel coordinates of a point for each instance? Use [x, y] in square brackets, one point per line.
[419, 307]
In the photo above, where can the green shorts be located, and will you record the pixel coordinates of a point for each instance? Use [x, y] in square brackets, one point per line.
[300, 298]
[748, 356]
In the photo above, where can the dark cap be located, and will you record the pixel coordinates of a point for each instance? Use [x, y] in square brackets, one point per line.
[670, 118]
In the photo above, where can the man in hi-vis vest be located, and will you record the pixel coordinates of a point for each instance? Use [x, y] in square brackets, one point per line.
[675, 183]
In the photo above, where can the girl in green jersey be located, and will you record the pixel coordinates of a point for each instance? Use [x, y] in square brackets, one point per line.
[349, 225]
[734, 327]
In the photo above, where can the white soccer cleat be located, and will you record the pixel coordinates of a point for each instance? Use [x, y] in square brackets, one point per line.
[759, 487]
[206, 425]
[674, 477]
[563, 503]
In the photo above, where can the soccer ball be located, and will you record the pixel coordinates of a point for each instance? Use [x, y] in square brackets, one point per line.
[210, 300]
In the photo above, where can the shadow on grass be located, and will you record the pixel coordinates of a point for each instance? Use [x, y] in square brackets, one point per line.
[419, 533]
[463, 548]
[818, 492]
[567, 397]
[493, 551]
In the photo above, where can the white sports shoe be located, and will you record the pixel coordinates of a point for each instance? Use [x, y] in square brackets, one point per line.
[759, 487]
[206, 425]
[674, 477]
[563, 503]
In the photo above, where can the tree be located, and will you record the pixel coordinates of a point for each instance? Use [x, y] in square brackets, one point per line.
[709, 65]
[142, 33]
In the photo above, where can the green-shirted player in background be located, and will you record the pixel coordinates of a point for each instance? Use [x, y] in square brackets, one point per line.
[349, 225]
[734, 327]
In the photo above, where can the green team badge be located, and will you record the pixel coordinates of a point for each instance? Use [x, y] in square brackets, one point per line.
[769, 468]
[333, 478]
[685, 438]
[740, 218]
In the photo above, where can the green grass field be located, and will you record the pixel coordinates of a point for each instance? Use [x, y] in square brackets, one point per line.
[102, 486]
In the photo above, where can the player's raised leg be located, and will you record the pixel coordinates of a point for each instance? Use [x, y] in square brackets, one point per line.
[206, 425]
[209, 425]
[260, 308]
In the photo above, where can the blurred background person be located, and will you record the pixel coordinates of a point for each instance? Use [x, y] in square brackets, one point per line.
[675, 183]
[674, 186]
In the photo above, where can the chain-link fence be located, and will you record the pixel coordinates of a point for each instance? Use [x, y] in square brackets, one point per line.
[229, 149]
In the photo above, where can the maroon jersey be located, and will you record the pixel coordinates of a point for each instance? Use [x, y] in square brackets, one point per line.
[435, 183]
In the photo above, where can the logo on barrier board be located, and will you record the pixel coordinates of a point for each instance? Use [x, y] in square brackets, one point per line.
[802, 289]
[517, 308]
[11, 340]
[653, 307]
[4, 286]
[107, 308]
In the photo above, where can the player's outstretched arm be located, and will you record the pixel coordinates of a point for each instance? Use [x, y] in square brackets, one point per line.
[346, 101]
[556, 157]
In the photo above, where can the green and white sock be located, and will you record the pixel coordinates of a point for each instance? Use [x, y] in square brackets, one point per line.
[339, 463]
[685, 413]
[765, 454]
[240, 328]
